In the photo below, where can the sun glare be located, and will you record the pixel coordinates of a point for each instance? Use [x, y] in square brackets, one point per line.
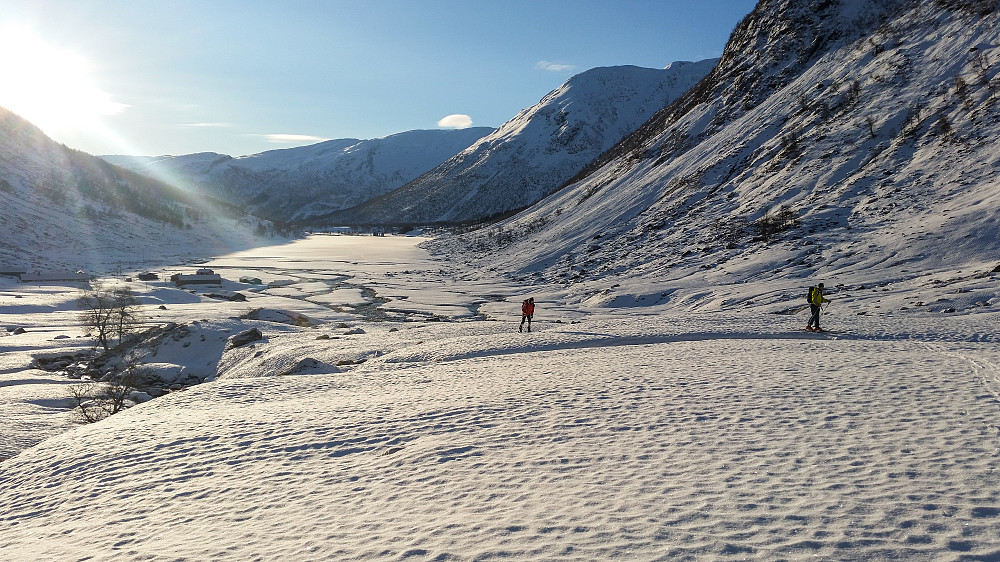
[49, 86]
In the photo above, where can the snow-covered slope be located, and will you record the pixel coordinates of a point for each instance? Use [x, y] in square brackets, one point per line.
[872, 123]
[531, 155]
[296, 183]
[62, 209]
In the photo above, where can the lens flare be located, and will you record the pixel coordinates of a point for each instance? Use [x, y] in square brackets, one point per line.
[54, 88]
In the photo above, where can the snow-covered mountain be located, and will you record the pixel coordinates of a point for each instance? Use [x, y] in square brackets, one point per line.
[833, 137]
[63, 209]
[534, 153]
[296, 183]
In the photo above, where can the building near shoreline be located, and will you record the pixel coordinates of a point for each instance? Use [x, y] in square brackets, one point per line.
[200, 277]
[52, 276]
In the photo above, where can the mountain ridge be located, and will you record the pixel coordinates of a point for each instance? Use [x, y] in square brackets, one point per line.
[534, 152]
[294, 183]
[65, 209]
[870, 124]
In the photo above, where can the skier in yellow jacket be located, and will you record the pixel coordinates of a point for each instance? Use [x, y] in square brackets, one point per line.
[816, 300]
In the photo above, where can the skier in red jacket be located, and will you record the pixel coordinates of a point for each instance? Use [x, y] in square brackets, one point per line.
[527, 311]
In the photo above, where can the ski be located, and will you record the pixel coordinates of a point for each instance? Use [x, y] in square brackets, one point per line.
[832, 333]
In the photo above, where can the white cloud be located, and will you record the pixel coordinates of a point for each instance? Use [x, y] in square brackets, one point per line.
[455, 121]
[284, 138]
[206, 125]
[554, 66]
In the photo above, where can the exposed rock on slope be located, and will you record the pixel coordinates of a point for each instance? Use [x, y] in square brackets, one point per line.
[871, 123]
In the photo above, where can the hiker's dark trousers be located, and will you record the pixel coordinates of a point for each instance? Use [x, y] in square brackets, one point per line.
[814, 319]
[528, 318]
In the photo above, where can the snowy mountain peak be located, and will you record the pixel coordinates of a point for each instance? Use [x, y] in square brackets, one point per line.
[532, 154]
[833, 137]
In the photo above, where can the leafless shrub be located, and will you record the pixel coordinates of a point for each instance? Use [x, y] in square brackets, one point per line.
[731, 230]
[912, 123]
[962, 90]
[943, 126]
[982, 64]
[97, 400]
[790, 144]
[854, 92]
[994, 86]
[773, 223]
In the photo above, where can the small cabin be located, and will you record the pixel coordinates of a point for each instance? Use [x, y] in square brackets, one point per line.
[199, 278]
[54, 276]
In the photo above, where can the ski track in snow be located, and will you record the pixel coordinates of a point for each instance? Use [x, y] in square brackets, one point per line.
[26, 397]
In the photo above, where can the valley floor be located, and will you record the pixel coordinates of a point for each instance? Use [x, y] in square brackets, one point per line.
[639, 433]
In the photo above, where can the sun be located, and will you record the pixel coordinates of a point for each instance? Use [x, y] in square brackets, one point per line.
[51, 87]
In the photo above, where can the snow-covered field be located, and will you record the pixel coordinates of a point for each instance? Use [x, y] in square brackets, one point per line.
[643, 420]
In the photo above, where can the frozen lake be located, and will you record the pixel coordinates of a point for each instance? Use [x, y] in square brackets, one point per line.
[335, 254]
[390, 272]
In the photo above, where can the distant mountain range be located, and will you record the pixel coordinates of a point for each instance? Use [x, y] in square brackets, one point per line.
[437, 176]
[534, 153]
[293, 184]
[62, 198]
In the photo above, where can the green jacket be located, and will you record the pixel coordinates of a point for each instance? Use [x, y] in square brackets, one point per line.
[817, 297]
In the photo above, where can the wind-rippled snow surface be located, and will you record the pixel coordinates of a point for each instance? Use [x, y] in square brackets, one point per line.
[580, 443]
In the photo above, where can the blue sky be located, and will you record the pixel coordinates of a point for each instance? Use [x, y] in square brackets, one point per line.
[240, 77]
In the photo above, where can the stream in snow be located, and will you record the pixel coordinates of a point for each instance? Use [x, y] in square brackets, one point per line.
[329, 280]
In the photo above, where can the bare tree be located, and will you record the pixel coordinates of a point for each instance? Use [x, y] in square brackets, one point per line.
[100, 399]
[112, 313]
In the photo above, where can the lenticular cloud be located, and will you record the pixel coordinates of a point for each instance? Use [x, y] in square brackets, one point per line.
[554, 66]
[280, 138]
[455, 121]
